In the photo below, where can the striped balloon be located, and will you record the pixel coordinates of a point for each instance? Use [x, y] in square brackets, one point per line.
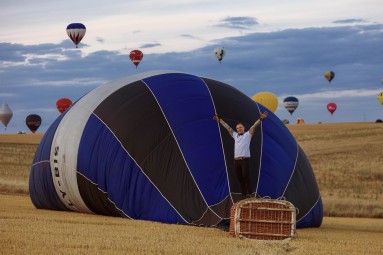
[76, 31]
[146, 147]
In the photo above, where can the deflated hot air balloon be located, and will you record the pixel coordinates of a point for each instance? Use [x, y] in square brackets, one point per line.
[291, 104]
[219, 53]
[33, 122]
[76, 32]
[63, 104]
[146, 147]
[267, 99]
[5, 114]
[329, 75]
[380, 97]
[331, 107]
[136, 57]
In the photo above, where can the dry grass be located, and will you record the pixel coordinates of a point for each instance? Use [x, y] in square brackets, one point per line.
[347, 161]
[26, 230]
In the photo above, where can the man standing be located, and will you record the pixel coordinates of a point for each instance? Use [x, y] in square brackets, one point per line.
[242, 141]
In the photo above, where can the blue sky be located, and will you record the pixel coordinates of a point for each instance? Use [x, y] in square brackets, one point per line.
[279, 46]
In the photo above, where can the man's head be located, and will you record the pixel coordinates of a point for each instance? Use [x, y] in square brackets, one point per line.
[240, 128]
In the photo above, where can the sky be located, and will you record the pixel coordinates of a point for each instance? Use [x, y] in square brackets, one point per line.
[283, 47]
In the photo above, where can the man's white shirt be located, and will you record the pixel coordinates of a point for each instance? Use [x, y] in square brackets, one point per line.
[242, 144]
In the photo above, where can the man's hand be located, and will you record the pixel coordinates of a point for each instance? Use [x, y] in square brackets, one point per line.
[263, 116]
[216, 117]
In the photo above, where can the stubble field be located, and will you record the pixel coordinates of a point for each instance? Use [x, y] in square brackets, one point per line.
[347, 159]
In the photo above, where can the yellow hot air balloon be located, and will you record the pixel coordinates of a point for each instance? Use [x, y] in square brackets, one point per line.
[380, 97]
[267, 99]
[329, 75]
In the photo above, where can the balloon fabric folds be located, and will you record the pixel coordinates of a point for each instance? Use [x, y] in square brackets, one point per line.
[329, 75]
[33, 122]
[331, 107]
[6, 114]
[291, 104]
[63, 104]
[147, 147]
[76, 31]
[267, 99]
[136, 57]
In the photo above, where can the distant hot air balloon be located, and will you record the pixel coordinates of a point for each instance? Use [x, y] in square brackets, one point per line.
[331, 107]
[380, 97]
[5, 114]
[76, 32]
[219, 53]
[267, 99]
[33, 122]
[62, 104]
[300, 121]
[329, 75]
[291, 103]
[136, 57]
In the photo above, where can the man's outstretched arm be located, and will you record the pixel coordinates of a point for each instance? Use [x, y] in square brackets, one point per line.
[224, 124]
[256, 124]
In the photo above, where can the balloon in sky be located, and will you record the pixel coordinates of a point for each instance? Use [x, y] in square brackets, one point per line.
[331, 107]
[380, 97]
[6, 114]
[33, 122]
[63, 104]
[147, 147]
[136, 57]
[267, 99]
[291, 104]
[329, 75]
[76, 32]
[219, 53]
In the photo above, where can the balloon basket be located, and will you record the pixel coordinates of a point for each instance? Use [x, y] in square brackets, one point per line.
[263, 219]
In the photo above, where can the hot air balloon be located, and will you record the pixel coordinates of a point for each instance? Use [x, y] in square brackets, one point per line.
[329, 75]
[291, 104]
[380, 97]
[147, 147]
[76, 32]
[300, 121]
[33, 122]
[267, 99]
[331, 107]
[63, 104]
[136, 57]
[219, 53]
[5, 114]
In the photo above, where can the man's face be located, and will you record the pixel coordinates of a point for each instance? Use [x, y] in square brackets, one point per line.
[240, 129]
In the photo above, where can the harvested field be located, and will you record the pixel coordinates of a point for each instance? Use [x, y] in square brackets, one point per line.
[347, 159]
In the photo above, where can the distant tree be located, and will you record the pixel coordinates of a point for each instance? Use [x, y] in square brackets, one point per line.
[379, 121]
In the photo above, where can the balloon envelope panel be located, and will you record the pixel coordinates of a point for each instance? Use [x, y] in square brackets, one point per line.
[146, 147]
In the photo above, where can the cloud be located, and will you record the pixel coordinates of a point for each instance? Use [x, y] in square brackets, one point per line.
[336, 94]
[348, 21]
[150, 45]
[100, 39]
[237, 22]
[287, 62]
[189, 36]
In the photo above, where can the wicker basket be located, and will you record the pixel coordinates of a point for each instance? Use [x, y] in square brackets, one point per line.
[264, 219]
